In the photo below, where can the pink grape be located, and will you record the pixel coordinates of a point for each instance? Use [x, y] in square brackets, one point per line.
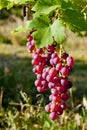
[56, 99]
[44, 83]
[54, 91]
[63, 106]
[51, 85]
[50, 97]
[39, 69]
[70, 61]
[63, 89]
[54, 55]
[49, 78]
[38, 83]
[29, 38]
[53, 115]
[48, 56]
[47, 108]
[56, 60]
[64, 96]
[64, 81]
[54, 107]
[55, 80]
[64, 71]
[51, 61]
[44, 75]
[35, 61]
[64, 55]
[52, 72]
[58, 66]
[40, 51]
[41, 89]
[50, 48]
[39, 77]
[60, 111]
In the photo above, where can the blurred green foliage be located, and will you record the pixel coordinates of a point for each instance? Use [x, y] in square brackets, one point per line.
[4, 13]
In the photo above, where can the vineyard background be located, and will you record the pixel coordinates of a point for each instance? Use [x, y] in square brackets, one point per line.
[21, 107]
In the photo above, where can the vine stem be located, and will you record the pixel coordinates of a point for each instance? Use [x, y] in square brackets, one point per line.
[61, 49]
[26, 12]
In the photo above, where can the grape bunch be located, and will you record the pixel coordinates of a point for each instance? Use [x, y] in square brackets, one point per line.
[52, 69]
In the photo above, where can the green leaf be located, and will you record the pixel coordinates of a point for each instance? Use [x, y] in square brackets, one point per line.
[47, 32]
[43, 37]
[46, 6]
[3, 4]
[21, 2]
[10, 3]
[58, 31]
[39, 22]
[75, 20]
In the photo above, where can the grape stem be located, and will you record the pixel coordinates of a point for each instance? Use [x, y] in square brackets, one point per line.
[61, 50]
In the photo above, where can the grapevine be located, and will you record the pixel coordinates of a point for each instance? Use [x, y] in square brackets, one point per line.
[52, 69]
[51, 64]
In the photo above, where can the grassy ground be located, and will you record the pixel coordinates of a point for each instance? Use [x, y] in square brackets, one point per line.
[16, 75]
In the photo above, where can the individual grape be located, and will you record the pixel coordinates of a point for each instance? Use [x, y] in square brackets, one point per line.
[51, 85]
[63, 89]
[51, 61]
[38, 83]
[64, 81]
[31, 48]
[35, 61]
[39, 77]
[55, 80]
[64, 96]
[56, 99]
[60, 111]
[50, 97]
[47, 56]
[58, 88]
[39, 68]
[56, 60]
[48, 108]
[53, 115]
[40, 51]
[50, 48]
[49, 78]
[64, 71]
[54, 91]
[41, 89]
[37, 57]
[34, 70]
[63, 106]
[44, 83]
[54, 55]
[58, 66]
[54, 107]
[32, 42]
[29, 38]
[70, 61]
[64, 55]
[52, 72]
[44, 74]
